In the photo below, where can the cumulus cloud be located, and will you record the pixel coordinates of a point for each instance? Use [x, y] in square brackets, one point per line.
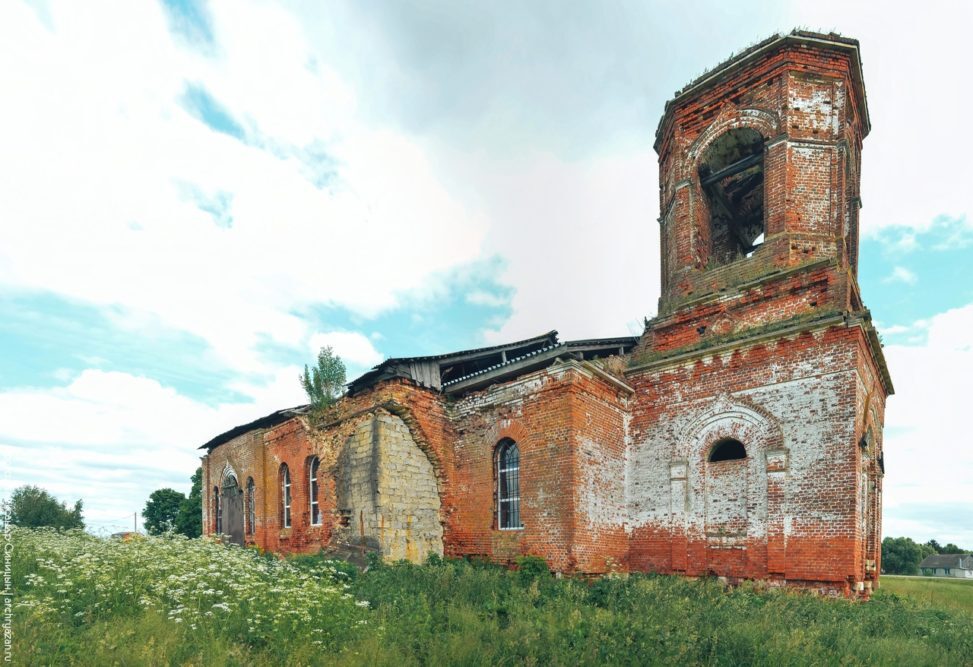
[111, 438]
[900, 274]
[352, 347]
[482, 298]
[115, 193]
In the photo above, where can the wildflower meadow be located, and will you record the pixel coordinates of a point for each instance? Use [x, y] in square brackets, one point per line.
[175, 601]
[199, 597]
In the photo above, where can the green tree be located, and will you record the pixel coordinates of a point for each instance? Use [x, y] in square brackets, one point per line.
[900, 555]
[33, 507]
[324, 382]
[190, 519]
[940, 549]
[162, 510]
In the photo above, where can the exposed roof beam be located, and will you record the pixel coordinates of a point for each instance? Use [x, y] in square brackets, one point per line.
[730, 170]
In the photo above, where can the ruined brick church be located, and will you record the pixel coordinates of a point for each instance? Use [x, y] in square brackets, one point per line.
[740, 435]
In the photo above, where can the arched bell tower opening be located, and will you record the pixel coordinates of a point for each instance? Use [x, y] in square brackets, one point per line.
[731, 176]
[764, 148]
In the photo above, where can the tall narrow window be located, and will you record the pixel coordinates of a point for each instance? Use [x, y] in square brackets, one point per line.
[218, 510]
[508, 485]
[285, 495]
[251, 507]
[313, 490]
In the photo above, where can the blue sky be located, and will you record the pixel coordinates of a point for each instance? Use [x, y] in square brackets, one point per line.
[195, 196]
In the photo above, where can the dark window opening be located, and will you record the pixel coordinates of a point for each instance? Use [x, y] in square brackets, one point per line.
[508, 485]
[732, 177]
[727, 450]
[218, 510]
[251, 506]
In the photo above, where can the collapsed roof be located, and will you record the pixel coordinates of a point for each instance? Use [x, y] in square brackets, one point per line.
[459, 372]
[269, 421]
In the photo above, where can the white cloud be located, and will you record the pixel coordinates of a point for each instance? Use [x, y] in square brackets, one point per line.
[98, 151]
[894, 329]
[112, 438]
[482, 298]
[352, 347]
[927, 459]
[900, 274]
[110, 409]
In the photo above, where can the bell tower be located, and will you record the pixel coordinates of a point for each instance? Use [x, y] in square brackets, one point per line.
[761, 340]
[759, 171]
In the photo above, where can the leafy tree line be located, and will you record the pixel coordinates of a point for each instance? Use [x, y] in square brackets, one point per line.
[170, 510]
[33, 507]
[902, 555]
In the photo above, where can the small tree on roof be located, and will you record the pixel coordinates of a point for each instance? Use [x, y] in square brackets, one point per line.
[324, 382]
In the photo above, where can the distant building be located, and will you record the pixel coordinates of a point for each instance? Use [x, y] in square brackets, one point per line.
[739, 436]
[959, 566]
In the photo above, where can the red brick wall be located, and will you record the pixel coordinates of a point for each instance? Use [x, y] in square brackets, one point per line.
[261, 453]
[600, 419]
[244, 457]
[794, 403]
[535, 412]
[568, 422]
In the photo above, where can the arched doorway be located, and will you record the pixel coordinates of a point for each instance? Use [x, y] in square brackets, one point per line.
[232, 505]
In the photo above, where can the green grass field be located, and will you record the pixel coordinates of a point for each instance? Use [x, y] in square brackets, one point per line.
[172, 601]
[941, 592]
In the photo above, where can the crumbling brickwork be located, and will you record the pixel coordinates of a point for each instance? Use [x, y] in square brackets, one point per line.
[740, 436]
[772, 347]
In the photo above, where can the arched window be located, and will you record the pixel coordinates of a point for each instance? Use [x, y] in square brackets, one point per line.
[727, 449]
[312, 471]
[285, 495]
[508, 485]
[731, 174]
[217, 511]
[251, 506]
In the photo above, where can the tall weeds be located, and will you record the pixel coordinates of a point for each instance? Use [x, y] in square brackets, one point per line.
[84, 600]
